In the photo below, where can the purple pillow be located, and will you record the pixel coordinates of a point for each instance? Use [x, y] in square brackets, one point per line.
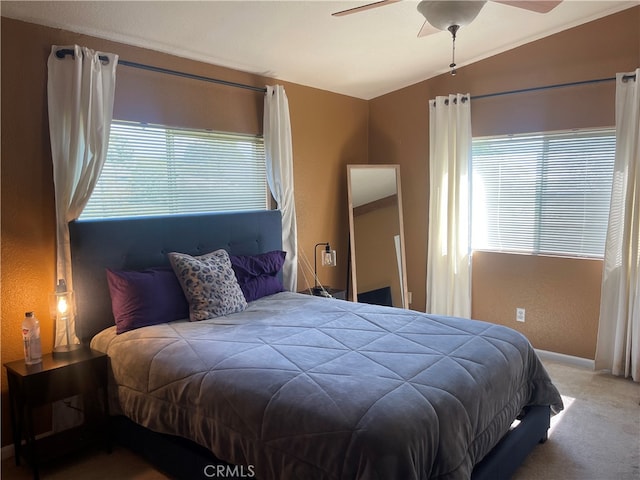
[258, 274]
[147, 297]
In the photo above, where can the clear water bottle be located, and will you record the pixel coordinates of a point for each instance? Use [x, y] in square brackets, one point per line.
[31, 339]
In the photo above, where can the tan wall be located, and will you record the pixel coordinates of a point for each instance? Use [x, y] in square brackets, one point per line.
[561, 298]
[561, 295]
[329, 131]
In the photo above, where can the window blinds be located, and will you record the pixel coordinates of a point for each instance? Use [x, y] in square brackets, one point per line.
[543, 193]
[156, 170]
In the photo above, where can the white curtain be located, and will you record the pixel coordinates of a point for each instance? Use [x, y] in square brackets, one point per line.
[80, 91]
[279, 153]
[448, 254]
[618, 347]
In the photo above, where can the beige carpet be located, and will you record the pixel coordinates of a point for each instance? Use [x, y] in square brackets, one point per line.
[94, 465]
[597, 437]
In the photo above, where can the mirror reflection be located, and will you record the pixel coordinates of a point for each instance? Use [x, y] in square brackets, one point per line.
[378, 272]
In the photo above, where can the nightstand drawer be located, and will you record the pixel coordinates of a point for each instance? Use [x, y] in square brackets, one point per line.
[64, 382]
[57, 377]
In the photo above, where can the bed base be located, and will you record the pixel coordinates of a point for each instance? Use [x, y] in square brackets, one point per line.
[176, 457]
[183, 459]
[513, 448]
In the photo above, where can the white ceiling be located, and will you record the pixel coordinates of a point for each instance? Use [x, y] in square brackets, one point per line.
[363, 55]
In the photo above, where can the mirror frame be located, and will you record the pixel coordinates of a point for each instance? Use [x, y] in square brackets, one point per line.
[353, 289]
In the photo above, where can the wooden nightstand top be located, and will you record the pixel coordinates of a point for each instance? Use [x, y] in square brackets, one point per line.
[50, 362]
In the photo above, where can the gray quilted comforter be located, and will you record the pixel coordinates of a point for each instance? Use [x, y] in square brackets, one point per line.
[304, 387]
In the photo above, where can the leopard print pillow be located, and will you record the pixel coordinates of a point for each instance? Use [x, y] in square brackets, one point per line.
[209, 284]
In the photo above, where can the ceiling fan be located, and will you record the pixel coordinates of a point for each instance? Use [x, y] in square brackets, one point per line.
[452, 14]
[434, 10]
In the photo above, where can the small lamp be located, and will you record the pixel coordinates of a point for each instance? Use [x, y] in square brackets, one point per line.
[328, 258]
[62, 309]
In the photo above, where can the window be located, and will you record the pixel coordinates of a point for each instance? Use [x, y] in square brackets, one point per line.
[543, 193]
[157, 170]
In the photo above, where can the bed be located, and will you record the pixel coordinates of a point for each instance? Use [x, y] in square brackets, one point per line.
[295, 386]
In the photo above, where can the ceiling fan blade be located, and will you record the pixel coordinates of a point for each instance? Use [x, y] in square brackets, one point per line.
[427, 29]
[362, 8]
[539, 6]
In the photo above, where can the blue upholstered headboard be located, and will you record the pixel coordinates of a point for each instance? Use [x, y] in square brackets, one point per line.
[137, 243]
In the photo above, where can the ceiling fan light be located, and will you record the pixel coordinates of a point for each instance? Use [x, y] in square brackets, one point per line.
[444, 13]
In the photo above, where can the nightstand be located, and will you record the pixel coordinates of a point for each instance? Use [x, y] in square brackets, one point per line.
[83, 372]
[334, 292]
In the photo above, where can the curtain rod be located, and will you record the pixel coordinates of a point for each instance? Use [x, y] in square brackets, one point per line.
[547, 87]
[65, 51]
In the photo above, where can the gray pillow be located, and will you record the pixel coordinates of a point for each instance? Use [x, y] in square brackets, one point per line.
[209, 284]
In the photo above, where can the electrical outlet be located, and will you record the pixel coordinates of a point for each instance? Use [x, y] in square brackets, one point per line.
[409, 297]
[519, 314]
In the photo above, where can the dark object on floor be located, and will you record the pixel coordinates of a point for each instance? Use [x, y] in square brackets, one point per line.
[380, 296]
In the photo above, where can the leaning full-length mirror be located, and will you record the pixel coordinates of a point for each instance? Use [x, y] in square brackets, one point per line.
[378, 269]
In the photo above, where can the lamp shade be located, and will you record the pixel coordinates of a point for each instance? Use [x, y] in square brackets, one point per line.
[62, 309]
[328, 257]
[443, 14]
[61, 301]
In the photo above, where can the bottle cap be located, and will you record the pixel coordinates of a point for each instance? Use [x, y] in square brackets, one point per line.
[28, 314]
